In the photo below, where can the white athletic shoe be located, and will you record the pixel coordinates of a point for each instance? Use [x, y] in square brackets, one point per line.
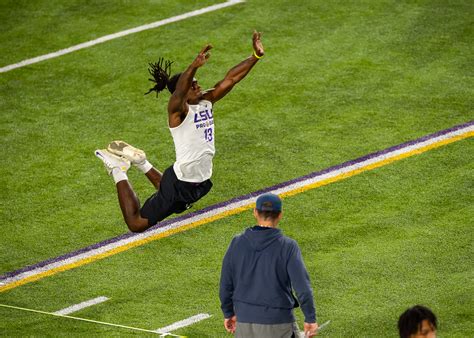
[112, 161]
[125, 150]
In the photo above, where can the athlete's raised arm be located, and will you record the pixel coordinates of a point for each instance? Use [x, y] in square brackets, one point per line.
[237, 73]
[177, 105]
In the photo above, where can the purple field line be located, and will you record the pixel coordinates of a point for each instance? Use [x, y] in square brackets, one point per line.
[236, 199]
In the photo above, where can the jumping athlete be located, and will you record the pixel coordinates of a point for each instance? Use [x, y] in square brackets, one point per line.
[191, 123]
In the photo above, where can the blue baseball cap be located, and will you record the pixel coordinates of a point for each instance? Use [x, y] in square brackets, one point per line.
[269, 202]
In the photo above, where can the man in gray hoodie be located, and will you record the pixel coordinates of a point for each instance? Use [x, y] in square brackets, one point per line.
[260, 269]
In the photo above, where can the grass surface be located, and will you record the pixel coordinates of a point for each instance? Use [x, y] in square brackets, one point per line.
[339, 80]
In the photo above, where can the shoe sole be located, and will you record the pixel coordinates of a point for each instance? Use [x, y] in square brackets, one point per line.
[132, 154]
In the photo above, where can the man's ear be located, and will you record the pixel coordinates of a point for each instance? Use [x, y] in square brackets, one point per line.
[280, 216]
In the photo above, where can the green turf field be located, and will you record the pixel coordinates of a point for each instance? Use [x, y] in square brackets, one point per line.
[340, 80]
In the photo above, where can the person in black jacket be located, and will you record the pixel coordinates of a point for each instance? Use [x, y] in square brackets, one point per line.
[260, 270]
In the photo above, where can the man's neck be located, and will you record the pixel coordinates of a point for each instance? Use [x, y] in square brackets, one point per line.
[266, 225]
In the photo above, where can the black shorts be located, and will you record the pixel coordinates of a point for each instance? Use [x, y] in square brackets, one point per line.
[172, 197]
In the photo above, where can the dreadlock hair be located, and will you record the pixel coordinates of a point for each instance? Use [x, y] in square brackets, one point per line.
[172, 82]
[160, 75]
[410, 321]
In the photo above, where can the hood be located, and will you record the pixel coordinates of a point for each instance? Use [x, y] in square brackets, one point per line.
[260, 239]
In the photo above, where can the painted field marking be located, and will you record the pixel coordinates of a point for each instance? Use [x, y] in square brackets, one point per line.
[80, 306]
[234, 206]
[184, 323]
[120, 34]
[87, 320]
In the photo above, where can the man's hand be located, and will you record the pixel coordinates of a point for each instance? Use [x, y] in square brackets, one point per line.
[202, 57]
[229, 324]
[257, 44]
[310, 329]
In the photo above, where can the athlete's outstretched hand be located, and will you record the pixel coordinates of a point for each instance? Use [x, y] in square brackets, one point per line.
[257, 44]
[203, 56]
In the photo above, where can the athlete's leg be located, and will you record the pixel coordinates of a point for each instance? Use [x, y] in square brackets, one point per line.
[130, 207]
[117, 168]
[154, 176]
[138, 158]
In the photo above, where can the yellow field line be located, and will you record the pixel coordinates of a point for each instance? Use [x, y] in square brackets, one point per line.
[240, 209]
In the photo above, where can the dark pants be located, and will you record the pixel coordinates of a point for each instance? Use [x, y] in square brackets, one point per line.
[173, 197]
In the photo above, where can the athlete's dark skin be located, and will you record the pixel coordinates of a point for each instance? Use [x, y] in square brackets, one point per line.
[187, 92]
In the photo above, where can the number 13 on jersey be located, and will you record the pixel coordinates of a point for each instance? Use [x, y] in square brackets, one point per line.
[208, 134]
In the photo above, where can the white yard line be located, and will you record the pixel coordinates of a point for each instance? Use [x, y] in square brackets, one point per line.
[120, 34]
[86, 320]
[183, 323]
[80, 306]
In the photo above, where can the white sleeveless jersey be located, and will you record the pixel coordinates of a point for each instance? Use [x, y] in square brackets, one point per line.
[194, 144]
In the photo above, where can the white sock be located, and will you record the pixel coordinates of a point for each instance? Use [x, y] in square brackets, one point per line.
[144, 166]
[119, 175]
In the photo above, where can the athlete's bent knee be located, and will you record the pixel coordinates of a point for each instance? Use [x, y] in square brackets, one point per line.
[137, 224]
